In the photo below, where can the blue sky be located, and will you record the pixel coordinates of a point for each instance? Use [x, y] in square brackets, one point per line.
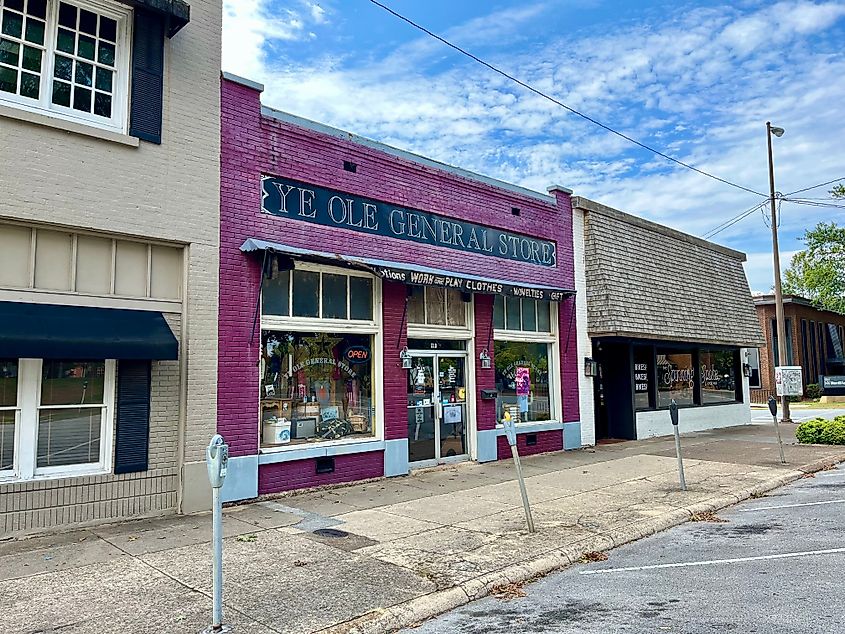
[698, 80]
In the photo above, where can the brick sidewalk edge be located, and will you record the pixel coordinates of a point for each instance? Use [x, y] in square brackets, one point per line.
[414, 611]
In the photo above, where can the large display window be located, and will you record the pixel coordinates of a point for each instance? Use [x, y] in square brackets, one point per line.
[315, 386]
[318, 374]
[689, 376]
[525, 353]
[522, 381]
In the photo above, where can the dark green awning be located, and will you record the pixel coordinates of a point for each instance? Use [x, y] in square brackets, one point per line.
[49, 331]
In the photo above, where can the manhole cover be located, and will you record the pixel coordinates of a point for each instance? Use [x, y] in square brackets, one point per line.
[330, 532]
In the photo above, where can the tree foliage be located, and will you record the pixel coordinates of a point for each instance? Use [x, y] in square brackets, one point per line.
[818, 272]
[838, 191]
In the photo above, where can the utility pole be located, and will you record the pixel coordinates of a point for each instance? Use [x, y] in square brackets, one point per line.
[779, 317]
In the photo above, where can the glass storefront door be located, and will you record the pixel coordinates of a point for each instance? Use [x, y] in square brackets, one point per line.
[437, 408]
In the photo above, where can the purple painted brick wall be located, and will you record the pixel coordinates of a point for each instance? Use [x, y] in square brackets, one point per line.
[546, 441]
[253, 145]
[300, 474]
[484, 379]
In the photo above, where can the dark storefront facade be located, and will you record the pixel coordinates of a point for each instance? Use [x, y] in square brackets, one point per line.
[668, 317]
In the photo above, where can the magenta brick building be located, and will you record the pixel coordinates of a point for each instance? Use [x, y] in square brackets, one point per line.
[381, 311]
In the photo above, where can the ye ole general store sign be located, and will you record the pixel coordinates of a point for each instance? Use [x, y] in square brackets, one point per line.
[307, 203]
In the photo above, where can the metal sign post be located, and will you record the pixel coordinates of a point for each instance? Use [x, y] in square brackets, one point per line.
[773, 408]
[217, 461]
[510, 432]
[673, 413]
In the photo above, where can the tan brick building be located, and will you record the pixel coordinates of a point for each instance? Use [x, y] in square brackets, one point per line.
[814, 341]
[109, 236]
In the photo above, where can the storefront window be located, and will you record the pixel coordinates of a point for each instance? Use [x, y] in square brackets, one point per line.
[71, 413]
[719, 376]
[314, 294]
[526, 315]
[315, 387]
[643, 379]
[675, 378]
[522, 380]
[435, 306]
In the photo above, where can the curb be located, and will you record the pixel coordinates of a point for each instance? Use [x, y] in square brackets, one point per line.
[414, 611]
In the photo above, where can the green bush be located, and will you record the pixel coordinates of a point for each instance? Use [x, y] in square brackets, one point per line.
[821, 431]
[814, 390]
[810, 432]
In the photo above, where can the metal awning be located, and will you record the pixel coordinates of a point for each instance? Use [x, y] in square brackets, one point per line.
[50, 331]
[414, 274]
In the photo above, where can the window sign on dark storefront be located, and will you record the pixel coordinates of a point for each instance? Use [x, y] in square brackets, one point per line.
[675, 378]
[688, 376]
[643, 357]
[308, 203]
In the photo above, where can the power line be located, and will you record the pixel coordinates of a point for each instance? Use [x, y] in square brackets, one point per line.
[731, 222]
[560, 103]
[806, 189]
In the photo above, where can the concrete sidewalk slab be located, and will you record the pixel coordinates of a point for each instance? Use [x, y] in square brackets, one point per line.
[416, 546]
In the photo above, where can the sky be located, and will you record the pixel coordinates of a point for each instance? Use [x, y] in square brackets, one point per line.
[696, 80]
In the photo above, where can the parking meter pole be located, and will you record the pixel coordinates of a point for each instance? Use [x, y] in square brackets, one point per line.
[673, 413]
[528, 517]
[217, 563]
[773, 408]
[510, 432]
[217, 459]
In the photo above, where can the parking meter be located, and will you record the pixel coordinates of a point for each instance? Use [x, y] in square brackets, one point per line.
[773, 408]
[673, 415]
[673, 412]
[773, 405]
[217, 461]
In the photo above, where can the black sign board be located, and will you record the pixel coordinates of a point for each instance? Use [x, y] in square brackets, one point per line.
[308, 203]
[469, 284]
[832, 385]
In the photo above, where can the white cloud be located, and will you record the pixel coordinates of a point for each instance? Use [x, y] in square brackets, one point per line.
[700, 83]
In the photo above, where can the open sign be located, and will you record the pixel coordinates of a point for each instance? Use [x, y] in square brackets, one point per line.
[357, 354]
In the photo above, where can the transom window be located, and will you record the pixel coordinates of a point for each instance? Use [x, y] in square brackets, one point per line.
[317, 294]
[69, 58]
[435, 306]
[55, 417]
[527, 315]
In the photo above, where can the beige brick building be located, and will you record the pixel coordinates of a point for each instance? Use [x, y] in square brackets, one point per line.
[109, 240]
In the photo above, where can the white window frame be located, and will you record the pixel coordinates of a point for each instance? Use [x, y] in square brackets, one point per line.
[26, 428]
[120, 94]
[551, 338]
[371, 327]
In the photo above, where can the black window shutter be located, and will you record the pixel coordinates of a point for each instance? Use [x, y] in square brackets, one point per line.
[147, 94]
[132, 437]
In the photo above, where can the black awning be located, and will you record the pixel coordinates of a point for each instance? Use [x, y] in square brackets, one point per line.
[48, 331]
[176, 13]
[414, 274]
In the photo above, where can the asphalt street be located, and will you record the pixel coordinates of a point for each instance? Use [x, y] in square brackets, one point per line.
[774, 565]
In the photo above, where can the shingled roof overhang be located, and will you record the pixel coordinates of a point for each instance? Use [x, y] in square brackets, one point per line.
[647, 281]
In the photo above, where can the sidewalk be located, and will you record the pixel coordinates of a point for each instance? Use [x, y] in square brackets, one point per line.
[413, 547]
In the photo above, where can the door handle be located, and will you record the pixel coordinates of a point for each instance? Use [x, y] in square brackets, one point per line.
[438, 410]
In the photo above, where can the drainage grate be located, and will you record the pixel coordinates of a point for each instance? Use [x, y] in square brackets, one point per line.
[330, 532]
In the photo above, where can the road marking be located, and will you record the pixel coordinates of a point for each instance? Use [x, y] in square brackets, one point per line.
[790, 506]
[712, 562]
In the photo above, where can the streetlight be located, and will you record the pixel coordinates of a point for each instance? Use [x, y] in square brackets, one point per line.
[779, 317]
